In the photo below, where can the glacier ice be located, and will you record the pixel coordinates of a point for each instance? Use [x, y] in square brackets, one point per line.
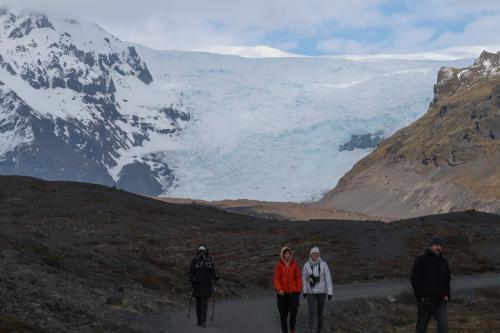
[269, 129]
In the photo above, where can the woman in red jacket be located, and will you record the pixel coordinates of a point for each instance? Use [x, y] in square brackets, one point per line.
[288, 284]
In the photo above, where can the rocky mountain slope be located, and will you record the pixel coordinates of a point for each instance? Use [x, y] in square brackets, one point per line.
[448, 160]
[63, 114]
[79, 104]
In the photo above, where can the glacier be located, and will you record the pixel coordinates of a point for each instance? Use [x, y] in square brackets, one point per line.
[198, 125]
[270, 129]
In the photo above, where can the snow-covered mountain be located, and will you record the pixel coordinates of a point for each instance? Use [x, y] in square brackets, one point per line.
[76, 103]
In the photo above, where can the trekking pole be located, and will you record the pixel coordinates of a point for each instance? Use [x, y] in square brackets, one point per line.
[190, 303]
[213, 303]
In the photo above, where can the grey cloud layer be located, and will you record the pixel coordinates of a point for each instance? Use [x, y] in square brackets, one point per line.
[194, 25]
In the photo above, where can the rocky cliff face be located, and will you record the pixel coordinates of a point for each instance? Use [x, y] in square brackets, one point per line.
[447, 160]
[64, 92]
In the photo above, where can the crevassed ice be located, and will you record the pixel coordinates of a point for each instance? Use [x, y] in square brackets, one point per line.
[269, 129]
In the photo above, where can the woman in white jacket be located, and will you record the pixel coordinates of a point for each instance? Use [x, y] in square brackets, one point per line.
[316, 285]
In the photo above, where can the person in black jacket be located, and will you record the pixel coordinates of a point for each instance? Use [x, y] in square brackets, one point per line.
[430, 279]
[202, 275]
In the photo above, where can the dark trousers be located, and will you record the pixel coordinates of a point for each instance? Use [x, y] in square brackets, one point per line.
[429, 309]
[201, 309]
[316, 303]
[288, 303]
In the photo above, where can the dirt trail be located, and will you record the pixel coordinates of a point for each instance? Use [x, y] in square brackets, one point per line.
[259, 314]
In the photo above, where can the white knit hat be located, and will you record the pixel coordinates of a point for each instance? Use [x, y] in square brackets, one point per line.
[314, 250]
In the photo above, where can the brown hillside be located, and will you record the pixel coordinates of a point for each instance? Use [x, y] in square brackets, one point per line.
[448, 160]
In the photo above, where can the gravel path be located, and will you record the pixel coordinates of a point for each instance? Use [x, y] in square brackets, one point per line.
[259, 314]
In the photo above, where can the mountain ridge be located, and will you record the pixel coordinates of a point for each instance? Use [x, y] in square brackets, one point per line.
[73, 123]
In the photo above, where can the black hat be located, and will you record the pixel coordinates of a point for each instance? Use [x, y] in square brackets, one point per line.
[436, 240]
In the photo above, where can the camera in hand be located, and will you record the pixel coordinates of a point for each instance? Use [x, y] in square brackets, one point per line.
[313, 280]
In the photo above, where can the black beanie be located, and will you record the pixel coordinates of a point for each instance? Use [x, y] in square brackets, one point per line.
[436, 240]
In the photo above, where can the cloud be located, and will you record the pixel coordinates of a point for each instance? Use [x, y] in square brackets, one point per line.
[259, 51]
[298, 26]
[341, 46]
[479, 31]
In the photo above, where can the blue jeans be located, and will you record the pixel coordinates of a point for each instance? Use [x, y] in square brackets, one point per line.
[316, 304]
[429, 309]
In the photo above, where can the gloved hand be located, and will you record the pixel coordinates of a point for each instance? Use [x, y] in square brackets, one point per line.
[305, 295]
[330, 297]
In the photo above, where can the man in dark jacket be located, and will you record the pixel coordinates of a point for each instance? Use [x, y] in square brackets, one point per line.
[202, 275]
[430, 279]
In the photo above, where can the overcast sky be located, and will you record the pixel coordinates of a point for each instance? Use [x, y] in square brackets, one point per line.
[308, 27]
